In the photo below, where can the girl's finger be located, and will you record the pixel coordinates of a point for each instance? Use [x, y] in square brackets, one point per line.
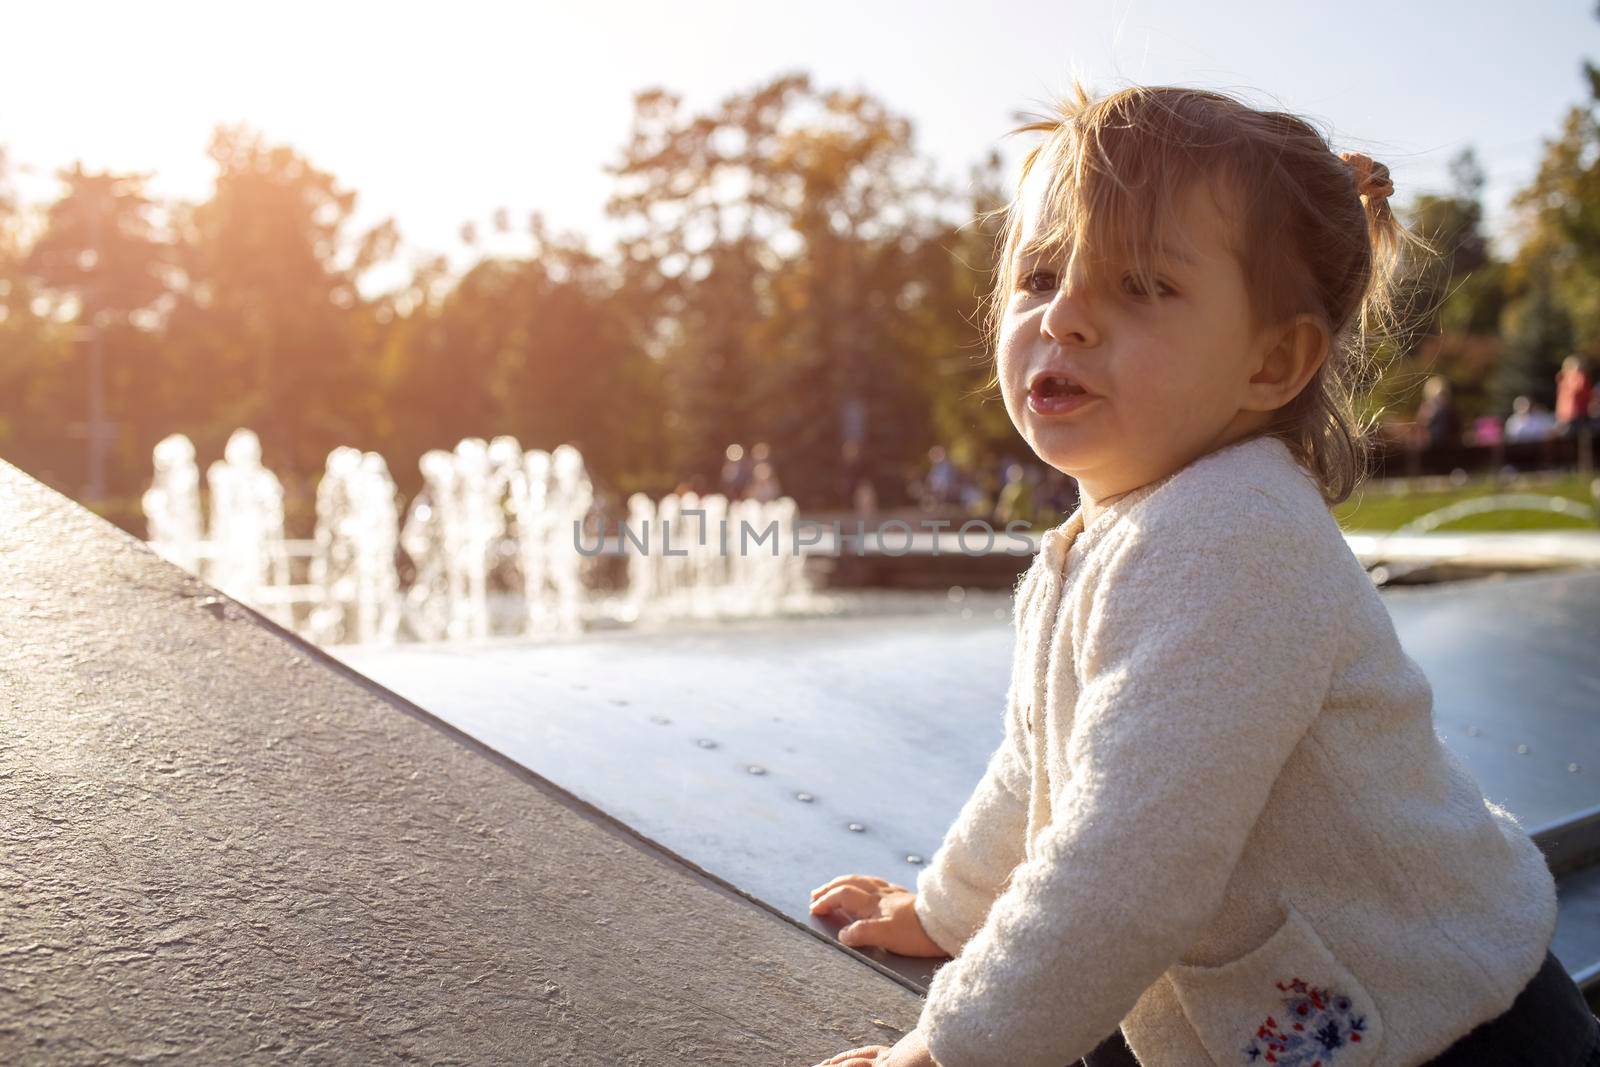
[863, 932]
[833, 883]
[865, 880]
[864, 1057]
[852, 900]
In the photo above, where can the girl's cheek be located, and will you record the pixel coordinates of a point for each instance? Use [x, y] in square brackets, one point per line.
[1010, 346]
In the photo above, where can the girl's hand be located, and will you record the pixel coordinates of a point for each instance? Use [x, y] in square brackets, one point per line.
[909, 1051]
[883, 914]
[866, 1056]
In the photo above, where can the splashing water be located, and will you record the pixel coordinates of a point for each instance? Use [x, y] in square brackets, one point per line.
[491, 524]
[247, 556]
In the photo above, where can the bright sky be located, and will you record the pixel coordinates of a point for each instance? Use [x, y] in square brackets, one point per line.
[439, 114]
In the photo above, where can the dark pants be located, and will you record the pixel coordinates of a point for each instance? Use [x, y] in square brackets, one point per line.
[1549, 1024]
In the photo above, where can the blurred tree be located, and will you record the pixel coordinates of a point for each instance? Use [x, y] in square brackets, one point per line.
[1554, 281]
[1453, 309]
[534, 347]
[271, 331]
[100, 243]
[101, 262]
[969, 413]
[38, 391]
[1539, 333]
[770, 254]
[1462, 289]
[1560, 219]
[695, 271]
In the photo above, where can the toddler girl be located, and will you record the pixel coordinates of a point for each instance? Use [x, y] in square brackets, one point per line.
[1220, 828]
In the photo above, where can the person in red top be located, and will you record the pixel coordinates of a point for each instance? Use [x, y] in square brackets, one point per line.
[1574, 391]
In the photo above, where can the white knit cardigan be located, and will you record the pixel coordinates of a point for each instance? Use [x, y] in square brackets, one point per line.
[1220, 816]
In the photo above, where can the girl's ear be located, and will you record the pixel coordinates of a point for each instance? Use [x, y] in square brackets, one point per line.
[1291, 360]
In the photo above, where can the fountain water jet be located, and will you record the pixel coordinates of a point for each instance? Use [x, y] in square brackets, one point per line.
[490, 522]
[248, 561]
[353, 565]
[172, 503]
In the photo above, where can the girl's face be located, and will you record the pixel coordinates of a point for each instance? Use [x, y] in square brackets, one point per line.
[1168, 374]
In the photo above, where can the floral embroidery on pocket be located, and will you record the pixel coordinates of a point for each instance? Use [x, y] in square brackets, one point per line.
[1317, 1026]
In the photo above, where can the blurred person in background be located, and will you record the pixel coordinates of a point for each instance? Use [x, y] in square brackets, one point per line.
[1437, 419]
[1574, 393]
[1016, 496]
[865, 499]
[764, 484]
[942, 486]
[1529, 422]
[978, 495]
[736, 472]
[1487, 430]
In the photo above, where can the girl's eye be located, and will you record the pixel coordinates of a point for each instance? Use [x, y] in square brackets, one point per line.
[1134, 288]
[1037, 281]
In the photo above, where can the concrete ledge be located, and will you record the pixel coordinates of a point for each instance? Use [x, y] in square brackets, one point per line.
[1530, 549]
[216, 846]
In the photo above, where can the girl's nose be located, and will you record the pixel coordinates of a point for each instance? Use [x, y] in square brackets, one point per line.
[1067, 320]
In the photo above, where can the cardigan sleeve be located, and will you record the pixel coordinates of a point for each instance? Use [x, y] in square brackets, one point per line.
[1208, 650]
[986, 841]
[979, 852]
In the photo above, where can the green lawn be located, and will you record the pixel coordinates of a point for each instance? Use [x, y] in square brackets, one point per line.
[1372, 508]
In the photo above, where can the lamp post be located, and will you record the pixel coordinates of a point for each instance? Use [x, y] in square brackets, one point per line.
[97, 430]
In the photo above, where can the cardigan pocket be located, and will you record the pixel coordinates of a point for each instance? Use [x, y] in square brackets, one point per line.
[1289, 1003]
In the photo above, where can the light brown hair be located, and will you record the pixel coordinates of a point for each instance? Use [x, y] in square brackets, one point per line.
[1307, 238]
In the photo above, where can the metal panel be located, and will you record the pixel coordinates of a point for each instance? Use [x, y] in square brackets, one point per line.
[780, 754]
[1515, 669]
[776, 755]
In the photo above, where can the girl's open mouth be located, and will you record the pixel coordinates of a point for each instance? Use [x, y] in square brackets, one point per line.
[1057, 395]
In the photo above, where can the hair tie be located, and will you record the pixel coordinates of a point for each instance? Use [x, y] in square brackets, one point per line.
[1372, 179]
